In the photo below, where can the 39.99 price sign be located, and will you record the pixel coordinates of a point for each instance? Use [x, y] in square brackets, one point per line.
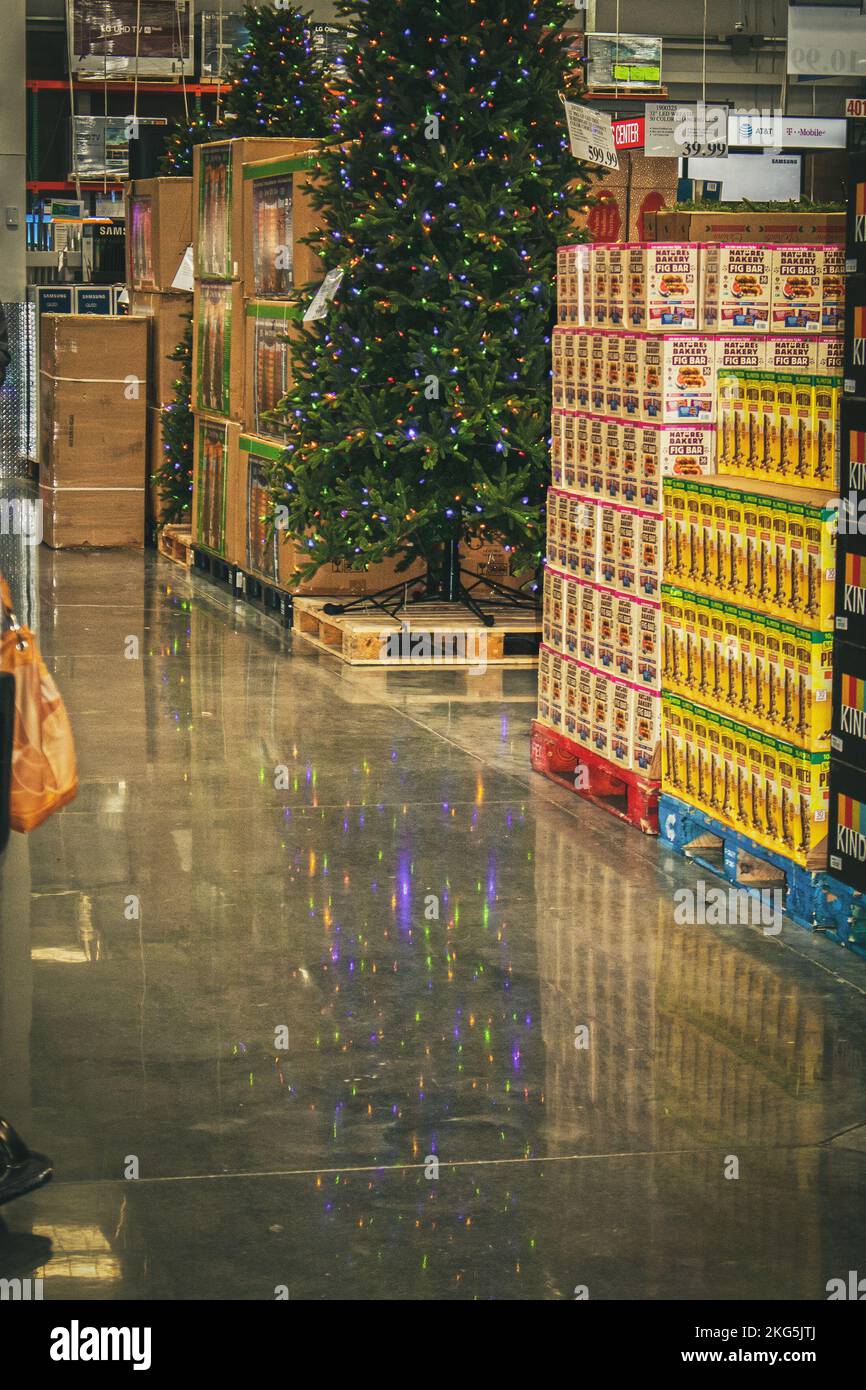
[590, 134]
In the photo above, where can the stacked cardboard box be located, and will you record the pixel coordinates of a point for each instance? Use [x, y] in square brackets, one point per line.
[848, 768]
[747, 604]
[158, 233]
[246, 233]
[93, 388]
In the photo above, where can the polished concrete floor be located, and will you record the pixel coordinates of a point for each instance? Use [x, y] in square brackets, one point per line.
[307, 929]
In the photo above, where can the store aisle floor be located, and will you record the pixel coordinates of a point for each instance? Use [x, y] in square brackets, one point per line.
[306, 928]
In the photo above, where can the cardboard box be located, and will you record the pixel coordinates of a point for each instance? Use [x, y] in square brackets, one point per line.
[93, 374]
[736, 288]
[855, 233]
[216, 501]
[218, 349]
[853, 462]
[278, 214]
[847, 838]
[855, 336]
[679, 378]
[218, 202]
[98, 517]
[797, 289]
[850, 619]
[848, 734]
[791, 228]
[687, 451]
[672, 287]
[168, 317]
[93, 299]
[158, 231]
[270, 326]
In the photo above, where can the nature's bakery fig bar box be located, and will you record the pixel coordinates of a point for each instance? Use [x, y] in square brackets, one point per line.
[796, 289]
[672, 286]
[736, 286]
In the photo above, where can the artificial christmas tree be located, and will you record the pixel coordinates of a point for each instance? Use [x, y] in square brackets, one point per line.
[196, 129]
[421, 405]
[276, 87]
[174, 477]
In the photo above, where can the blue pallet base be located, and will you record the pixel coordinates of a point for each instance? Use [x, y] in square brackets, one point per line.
[815, 901]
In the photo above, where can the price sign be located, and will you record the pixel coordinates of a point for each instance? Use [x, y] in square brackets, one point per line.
[591, 135]
[686, 131]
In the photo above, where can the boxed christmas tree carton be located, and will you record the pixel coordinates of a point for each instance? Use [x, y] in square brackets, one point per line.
[158, 231]
[218, 201]
[216, 510]
[218, 348]
[269, 328]
[278, 213]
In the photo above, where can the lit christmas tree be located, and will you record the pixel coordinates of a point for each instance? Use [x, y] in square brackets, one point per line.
[174, 477]
[420, 413]
[176, 161]
[276, 83]
[276, 87]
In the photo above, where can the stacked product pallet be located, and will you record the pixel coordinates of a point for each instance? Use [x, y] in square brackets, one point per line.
[848, 766]
[749, 566]
[158, 232]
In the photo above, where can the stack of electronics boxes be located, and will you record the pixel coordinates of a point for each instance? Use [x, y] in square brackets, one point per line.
[158, 232]
[223, 280]
[847, 860]
[749, 554]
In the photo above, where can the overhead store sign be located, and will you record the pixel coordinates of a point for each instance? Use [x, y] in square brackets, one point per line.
[122, 38]
[686, 130]
[767, 130]
[626, 62]
[826, 41]
[591, 135]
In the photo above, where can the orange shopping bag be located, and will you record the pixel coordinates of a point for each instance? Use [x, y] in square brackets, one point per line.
[44, 775]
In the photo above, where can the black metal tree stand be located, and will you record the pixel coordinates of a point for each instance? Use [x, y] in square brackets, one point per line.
[448, 583]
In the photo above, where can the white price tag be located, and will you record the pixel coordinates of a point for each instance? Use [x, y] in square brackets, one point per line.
[591, 135]
[183, 280]
[324, 294]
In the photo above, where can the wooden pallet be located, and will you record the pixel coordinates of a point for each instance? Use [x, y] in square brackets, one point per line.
[631, 796]
[813, 899]
[437, 635]
[175, 543]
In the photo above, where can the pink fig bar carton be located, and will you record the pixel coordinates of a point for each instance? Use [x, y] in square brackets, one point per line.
[672, 287]
[736, 282]
[796, 289]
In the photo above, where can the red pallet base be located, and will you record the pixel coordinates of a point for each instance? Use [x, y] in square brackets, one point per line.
[629, 795]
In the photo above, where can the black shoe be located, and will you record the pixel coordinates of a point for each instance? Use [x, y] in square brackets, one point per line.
[21, 1171]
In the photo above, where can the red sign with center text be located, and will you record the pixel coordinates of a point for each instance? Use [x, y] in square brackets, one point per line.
[629, 135]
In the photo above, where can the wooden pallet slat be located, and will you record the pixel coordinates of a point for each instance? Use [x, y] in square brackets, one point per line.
[454, 638]
[175, 543]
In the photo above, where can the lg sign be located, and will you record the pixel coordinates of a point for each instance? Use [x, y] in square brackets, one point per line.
[629, 135]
